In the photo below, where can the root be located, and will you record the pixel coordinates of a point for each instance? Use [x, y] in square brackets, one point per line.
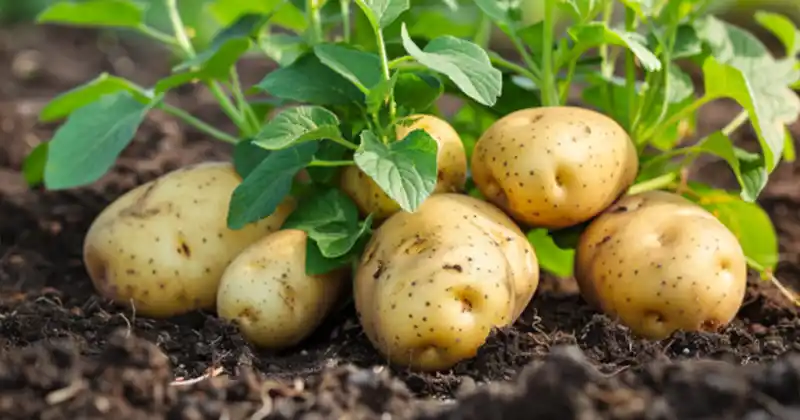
[792, 296]
[210, 373]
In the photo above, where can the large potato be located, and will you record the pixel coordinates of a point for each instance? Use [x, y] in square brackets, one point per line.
[432, 284]
[554, 167]
[451, 161]
[267, 293]
[163, 245]
[660, 263]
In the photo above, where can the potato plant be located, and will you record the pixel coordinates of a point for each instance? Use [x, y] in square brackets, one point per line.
[349, 126]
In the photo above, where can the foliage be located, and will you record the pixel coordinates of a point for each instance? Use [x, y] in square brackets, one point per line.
[347, 93]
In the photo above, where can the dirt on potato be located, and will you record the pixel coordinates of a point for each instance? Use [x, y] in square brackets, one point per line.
[66, 353]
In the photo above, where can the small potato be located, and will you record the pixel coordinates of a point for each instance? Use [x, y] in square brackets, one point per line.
[554, 167]
[451, 161]
[433, 283]
[163, 245]
[268, 294]
[660, 263]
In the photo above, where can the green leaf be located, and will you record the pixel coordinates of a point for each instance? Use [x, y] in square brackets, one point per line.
[593, 34]
[247, 156]
[643, 8]
[67, 102]
[789, 153]
[284, 48]
[248, 25]
[582, 10]
[679, 85]
[308, 80]
[317, 264]
[297, 125]
[506, 14]
[769, 104]
[783, 28]
[34, 165]
[551, 258]
[361, 68]
[171, 82]
[405, 170]
[260, 194]
[417, 92]
[687, 44]
[217, 61]
[88, 143]
[747, 167]
[331, 220]
[228, 11]
[747, 221]
[465, 63]
[114, 13]
[381, 13]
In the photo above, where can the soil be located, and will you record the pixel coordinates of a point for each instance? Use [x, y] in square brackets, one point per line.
[67, 353]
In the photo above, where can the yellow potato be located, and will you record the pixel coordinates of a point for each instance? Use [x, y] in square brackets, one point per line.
[432, 284]
[163, 245]
[268, 294]
[660, 263]
[451, 161]
[554, 167]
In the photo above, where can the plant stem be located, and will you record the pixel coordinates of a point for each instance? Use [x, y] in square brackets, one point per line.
[158, 35]
[197, 123]
[177, 26]
[345, 10]
[244, 106]
[228, 107]
[548, 87]
[499, 61]
[527, 59]
[630, 70]
[400, 60]
[768, 274]
[314, 23]
[736, 123]
[385, 69]
[329, 163]
[484, 32]
[654, 184]
[568, 80]
[344, 142]
[677, 117]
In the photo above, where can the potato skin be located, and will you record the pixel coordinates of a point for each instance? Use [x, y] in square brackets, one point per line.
[267, 293]
[432, 284]
[554, 167]
[451, 160]
[163, 245]
[660, 263]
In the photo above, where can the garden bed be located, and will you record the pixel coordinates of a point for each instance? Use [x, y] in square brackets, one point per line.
[66, 353]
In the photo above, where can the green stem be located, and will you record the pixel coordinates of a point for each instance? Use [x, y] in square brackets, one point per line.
[158, 35]
[345, 10]
[630, 70]
[400, 60]
[499, 61]
[676, 117]
[329, 163]
[568, 80]
[736, 123]
[657, 183]
[344, 142]
[527, 59]
[548, 87]
[484, 32]
[197, 123]
[244, 107]
[385, 69]
[177, 26]
[228, 107]
[314, 22]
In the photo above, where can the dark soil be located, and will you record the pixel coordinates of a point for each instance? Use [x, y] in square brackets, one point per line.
[67, 353]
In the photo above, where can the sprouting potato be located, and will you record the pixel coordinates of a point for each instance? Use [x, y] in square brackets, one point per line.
[661, 263]
[451, 161]
[554, 167]
[433, 283]
[267, 293]
[163, 245]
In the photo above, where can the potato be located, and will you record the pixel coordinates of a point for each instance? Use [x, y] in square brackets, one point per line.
[163, 245]
[451, 161]
[554, 167]
[660, 263]
[432, 284]
[267, 293]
